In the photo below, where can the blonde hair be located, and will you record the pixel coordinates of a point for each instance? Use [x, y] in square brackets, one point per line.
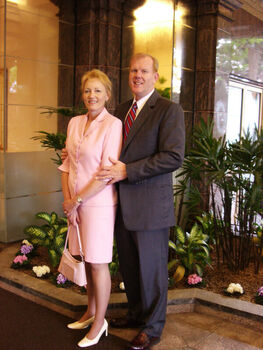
[101, 76]
[143, 55]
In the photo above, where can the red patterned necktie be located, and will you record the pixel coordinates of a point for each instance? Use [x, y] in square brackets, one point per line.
[129, 120]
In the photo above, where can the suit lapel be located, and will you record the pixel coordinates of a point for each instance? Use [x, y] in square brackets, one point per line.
[144, 114]
[122, 112]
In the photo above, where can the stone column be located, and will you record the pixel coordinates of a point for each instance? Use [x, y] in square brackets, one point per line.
[66, 69]
[98, 42]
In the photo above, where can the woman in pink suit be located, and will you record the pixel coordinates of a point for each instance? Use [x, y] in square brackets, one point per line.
[91, 139]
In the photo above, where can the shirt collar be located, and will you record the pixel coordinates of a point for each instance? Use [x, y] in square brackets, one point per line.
[101, 116]
[141, 102]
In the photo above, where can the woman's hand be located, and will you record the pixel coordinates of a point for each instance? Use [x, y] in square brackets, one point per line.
[73, 217]
[64, 154]
[69, 205]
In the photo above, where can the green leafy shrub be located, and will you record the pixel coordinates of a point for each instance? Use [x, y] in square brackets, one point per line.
[65, 112]
[192, 251]
[207, 222]
[51, 235]
[52, 141]
[165, 92]
[226, 179]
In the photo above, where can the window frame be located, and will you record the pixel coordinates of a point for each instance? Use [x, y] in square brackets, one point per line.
[245, 86]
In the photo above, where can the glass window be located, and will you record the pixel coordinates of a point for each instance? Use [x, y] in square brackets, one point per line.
[244, 109]
[234, 113]
[251, 111]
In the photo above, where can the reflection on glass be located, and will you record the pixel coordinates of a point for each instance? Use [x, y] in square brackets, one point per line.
[178, 15]
[153, 34]
[176, 80]
[158, 31]
[32, 71]
[153, 11]
[13, 79]
[241, 56]
[234, 113]
[177, 54]
[251, 111]
[1, 108]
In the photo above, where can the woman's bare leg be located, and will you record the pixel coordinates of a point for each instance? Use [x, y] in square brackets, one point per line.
[101, 287]
[91, 308]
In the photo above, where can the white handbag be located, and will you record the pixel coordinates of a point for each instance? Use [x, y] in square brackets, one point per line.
[73, 269]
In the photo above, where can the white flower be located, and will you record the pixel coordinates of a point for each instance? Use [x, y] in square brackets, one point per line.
[235, 287]
[46, 268]
[41, 270]
[239, 289]
[121, 286]
[230, 289]
[38, 271]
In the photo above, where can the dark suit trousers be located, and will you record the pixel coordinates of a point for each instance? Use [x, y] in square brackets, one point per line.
[143, 257]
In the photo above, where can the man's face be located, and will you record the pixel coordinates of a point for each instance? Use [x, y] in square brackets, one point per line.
[142, 77]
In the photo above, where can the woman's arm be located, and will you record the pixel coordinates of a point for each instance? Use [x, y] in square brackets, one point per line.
[92, 188]
[64, 183]
[69, 206]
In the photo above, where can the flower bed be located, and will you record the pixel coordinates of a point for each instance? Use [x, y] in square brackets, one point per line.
[215, 279]
[36, 263]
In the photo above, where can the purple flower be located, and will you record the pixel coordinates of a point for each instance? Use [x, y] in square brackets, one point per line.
[260, 291]
[61, 279]
[26, 249]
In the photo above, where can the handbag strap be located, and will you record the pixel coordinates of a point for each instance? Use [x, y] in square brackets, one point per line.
[79, 241]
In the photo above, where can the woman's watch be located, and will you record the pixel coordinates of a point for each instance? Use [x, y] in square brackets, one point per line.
[79, 200]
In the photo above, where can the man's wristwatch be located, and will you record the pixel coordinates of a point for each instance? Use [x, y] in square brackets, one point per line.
[79, 200]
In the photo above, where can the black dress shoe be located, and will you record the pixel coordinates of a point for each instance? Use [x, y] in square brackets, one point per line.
[142, 341]
[123, 322]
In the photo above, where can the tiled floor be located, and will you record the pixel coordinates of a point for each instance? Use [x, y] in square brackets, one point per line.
[202, 331]
[201, 328]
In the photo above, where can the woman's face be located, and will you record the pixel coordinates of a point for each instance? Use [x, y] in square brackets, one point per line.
[94, 96]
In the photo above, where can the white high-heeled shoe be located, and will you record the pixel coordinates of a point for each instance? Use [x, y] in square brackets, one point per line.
[81, 325]
[85, 342]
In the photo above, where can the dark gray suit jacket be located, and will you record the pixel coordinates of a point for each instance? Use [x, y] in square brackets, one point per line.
[153, 149]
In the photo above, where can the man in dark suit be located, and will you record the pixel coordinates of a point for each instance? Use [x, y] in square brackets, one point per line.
[153, 148]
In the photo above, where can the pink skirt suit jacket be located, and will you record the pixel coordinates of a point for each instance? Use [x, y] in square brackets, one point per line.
[86, 154]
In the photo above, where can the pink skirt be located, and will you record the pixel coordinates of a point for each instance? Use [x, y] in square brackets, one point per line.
[96, 232]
